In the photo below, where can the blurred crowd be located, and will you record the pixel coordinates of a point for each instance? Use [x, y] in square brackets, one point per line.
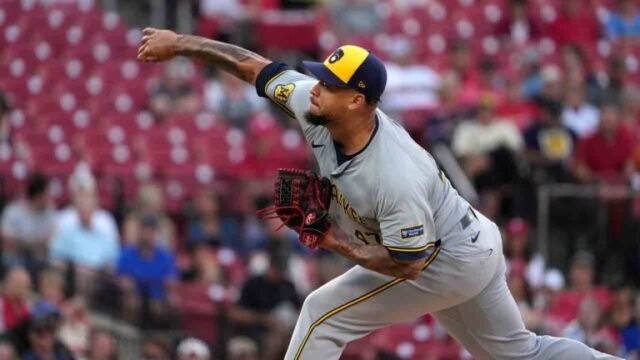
[538, 92]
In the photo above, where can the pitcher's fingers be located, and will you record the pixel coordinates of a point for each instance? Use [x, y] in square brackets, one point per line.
[148, 31]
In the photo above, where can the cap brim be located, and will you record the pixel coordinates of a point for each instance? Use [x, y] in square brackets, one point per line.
[322, 73]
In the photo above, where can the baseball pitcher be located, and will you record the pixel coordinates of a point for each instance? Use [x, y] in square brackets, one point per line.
[381, 201]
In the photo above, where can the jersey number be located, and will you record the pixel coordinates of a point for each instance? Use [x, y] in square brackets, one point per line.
[364, 236]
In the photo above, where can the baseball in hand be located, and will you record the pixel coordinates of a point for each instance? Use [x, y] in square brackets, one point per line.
[157, 45]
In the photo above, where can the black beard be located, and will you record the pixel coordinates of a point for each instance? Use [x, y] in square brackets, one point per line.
[316, 120]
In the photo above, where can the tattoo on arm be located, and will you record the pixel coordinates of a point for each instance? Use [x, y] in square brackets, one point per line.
[234, 59]
[376, 258]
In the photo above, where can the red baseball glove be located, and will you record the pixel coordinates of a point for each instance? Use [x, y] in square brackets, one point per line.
[301, 201]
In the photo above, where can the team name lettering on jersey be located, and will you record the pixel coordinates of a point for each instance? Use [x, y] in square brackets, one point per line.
[337, 195]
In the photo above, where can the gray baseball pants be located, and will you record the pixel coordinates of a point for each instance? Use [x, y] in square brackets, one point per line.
[463, 286]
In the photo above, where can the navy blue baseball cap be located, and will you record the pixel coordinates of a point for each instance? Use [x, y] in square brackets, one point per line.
[352, 67]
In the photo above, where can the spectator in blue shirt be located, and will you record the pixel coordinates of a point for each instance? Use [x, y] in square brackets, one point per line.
[624, 23]
[146, 271]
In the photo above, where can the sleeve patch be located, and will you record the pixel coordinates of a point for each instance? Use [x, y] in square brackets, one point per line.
[411, 232]
[282, 92]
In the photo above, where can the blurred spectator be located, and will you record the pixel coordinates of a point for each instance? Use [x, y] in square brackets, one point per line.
[566, 306]
[624, 22]
[27, 225]
[204, 266]
[44, 343]
[550, 145]
[206, 225]
[531, 73]
[146, 271]
[87, 235]
[574, 15]
[545, 297]
[553, 86]
[411, 85]
[355, 17]
[156, 348]
[514, 107]
[523, 296]
[448, 114]
[242, 348]
[51, 287]
[518, 27]
[631, 333]
[193, 349]
[622, 319]
[175, 93]
[7, 352]
[605, 155]
[233, 99]
[76, 327]
[463, 66]
[589, 328]
[85, 242]
[519, 255]
[102, 345]
[14, 306]
[267, 308]
[579, 74]
[149, 200]
[223, 10]
[487, 149]
[613, 89]
[578, 115]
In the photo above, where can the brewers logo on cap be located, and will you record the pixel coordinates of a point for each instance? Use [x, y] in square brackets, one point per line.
[337, 55]
[352, 67]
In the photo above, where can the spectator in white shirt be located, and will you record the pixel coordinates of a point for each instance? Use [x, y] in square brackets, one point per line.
[578, 115]
[410, 85]
[487, 149]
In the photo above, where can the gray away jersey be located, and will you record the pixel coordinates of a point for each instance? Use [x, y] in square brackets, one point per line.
[391, 193]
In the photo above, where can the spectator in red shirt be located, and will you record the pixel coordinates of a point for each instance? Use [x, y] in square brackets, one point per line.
[566, 306]
[14, 308]
[576, 24]
[607, 154]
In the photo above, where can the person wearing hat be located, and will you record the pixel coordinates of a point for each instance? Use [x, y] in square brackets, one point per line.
[193, 349]
[37, 339]
[418, 245]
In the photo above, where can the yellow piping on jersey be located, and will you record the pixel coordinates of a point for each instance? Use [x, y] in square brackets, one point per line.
[362, 298]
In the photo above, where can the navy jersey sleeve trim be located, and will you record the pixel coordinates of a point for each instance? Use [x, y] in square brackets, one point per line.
[266, 74]
[412, 253]
[401, 255]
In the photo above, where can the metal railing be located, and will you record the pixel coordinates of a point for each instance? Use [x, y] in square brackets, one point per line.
[597, 202]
